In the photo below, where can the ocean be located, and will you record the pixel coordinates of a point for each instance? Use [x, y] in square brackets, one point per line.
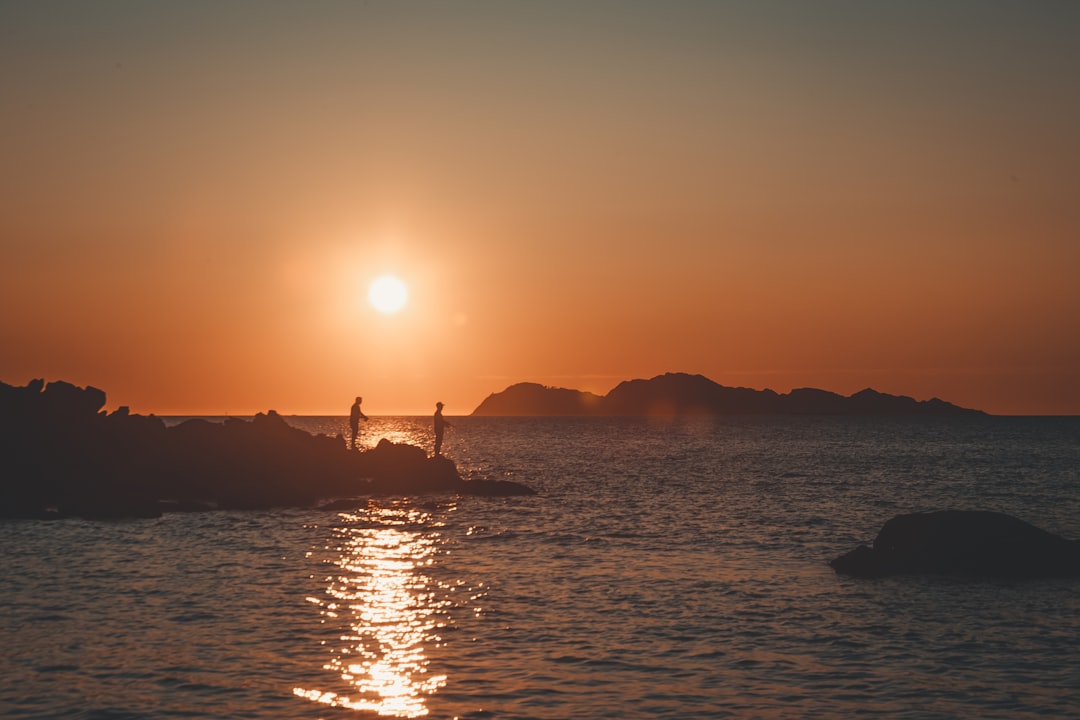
[665, 569]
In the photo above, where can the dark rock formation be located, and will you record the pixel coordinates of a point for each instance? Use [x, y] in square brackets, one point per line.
[61, 456]
[962, 543]
[682, 394]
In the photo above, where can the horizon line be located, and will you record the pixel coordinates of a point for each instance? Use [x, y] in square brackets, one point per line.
[426, 414]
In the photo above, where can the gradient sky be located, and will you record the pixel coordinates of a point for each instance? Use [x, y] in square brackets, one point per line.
[195, 196]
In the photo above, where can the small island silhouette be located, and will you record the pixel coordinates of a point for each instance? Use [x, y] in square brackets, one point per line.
[677, 394]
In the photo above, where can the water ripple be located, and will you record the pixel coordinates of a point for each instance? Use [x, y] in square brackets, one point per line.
[665, 571]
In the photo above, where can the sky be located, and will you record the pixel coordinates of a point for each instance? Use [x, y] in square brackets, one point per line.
[195, 197]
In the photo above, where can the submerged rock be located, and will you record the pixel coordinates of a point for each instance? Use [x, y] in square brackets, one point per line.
[962, 543]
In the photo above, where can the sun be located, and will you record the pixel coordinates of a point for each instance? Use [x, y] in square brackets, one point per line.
[388, 294]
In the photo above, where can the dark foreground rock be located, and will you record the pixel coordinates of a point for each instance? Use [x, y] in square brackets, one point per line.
[962, 543]
[61, 456]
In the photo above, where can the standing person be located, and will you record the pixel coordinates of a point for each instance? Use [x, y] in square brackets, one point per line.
[440, 426]
[355, 413]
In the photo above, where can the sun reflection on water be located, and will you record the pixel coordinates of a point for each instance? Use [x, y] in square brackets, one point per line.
[389, 610]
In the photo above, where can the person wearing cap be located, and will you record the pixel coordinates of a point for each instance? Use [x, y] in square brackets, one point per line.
[440, 426]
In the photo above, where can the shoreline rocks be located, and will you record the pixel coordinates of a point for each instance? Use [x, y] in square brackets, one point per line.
[968, 543]
[61, 456]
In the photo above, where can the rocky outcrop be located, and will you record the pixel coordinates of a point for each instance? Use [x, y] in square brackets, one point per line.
[962, 543]
[61, 456]
[675, 394]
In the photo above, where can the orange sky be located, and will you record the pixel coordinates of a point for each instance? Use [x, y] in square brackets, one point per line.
[195, 197]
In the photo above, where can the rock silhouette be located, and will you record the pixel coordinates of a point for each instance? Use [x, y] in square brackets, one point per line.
[683, 394]
[536, 399]
[61, 456]
[963, 543]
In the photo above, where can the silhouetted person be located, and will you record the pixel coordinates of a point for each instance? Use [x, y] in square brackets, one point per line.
[355, 413]
[440, 426]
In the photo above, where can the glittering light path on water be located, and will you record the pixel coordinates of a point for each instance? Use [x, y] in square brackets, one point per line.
[389, 612]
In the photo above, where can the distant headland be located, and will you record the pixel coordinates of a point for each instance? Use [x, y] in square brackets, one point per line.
[678, 394]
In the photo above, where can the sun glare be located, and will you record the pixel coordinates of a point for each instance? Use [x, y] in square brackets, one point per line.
[388, 294]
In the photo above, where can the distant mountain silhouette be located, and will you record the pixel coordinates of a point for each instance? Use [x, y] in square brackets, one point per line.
[535, 399]
[684, 394]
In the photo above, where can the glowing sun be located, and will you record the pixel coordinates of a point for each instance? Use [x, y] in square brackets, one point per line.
[388, 294]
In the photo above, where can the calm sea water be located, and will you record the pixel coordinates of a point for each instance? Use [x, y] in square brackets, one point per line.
[666, 570]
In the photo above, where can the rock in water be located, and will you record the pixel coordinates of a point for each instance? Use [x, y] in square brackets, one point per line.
[962, 543]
